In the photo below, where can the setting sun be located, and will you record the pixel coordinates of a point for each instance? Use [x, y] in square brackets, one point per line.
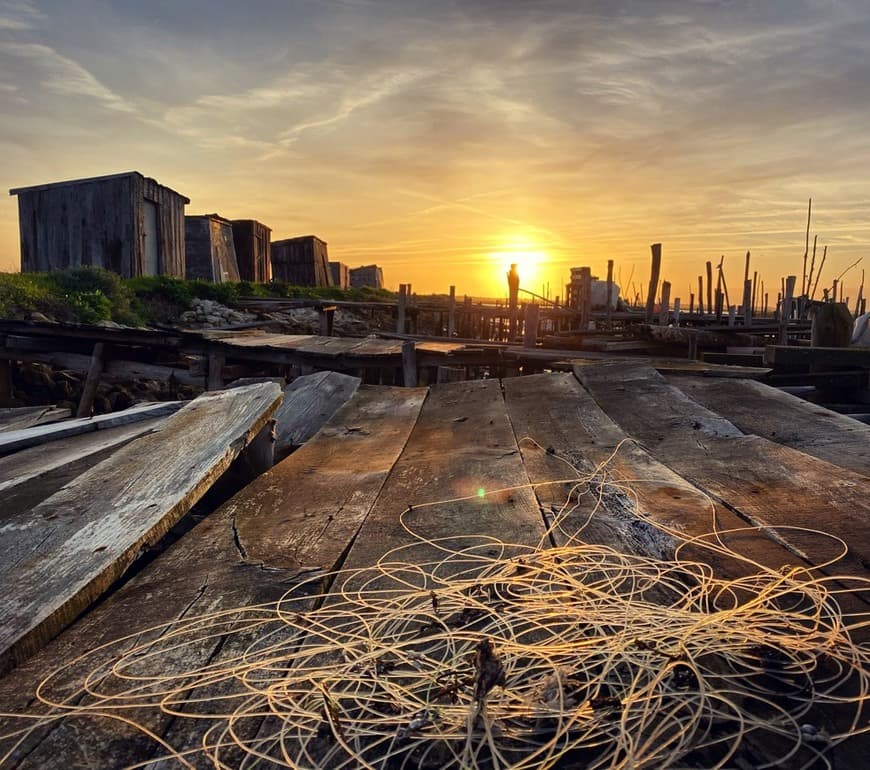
[530, 259]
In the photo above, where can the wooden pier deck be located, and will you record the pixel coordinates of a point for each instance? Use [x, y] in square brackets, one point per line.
[408, 490]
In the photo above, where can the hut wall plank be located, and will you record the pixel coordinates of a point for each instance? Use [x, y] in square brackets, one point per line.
[60, 556]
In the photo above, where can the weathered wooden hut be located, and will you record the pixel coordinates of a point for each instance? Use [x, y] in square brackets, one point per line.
[210, 249]
[253, 250]
[340, 274]
[367, 275]
[126, 223]
[301, 261]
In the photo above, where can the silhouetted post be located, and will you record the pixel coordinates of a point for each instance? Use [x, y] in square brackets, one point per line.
[785, 316]
[409, 363]
[835, 285]
[608, 309]
[732, 314]
[655, 269]
[691, 302]
[400, 314]
[585, 297]
[754, 291]
[709, 287]
[747, 302]
[451, 312]
[677, 311]
[719, 303]
[665, 310]
[530, 332]
[513, 278]
[700, 295]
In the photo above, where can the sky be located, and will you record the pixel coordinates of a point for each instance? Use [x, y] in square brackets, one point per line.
[445, 140]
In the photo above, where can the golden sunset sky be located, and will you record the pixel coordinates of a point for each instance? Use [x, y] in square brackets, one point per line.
[444, 140]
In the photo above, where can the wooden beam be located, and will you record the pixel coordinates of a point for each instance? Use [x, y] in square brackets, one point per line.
[401, 309]
[530, 326]
[409, 363]
[665, 309]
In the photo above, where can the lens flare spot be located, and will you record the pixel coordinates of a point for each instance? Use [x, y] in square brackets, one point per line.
[481, 492]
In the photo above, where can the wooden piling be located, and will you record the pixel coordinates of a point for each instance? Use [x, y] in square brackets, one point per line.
[700, 295]
[655, 269]
[747, 302]
[609, 311]
[409, 363]
[400, 315]
[709, 287]
[86, 403]
[513, 278]
[665, 310]
[530, 331]
[451, 313]
[677, 311]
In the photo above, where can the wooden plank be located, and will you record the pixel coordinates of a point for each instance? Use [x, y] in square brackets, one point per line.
[461, 452]
[86, 402]
[21, 417]
[309, 402]
[21, 467]
[783, 418]
[767, 484]
[15, 440]
[558, 422]
[63, 554]
[792, 357]
[243, 555]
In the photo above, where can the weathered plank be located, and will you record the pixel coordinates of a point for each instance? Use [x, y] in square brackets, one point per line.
[788, 357]
[633, 503]
[56, 559]
[767, 484]
[32, 463]
[454, 474]
[21, 417]
[15, 440]
[309, 402]
[245, 554]
[764, 411]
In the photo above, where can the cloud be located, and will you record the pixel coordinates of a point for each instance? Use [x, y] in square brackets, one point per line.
[17, 15]
[64, 76]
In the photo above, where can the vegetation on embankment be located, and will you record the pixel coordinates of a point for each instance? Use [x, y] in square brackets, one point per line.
[90, 295]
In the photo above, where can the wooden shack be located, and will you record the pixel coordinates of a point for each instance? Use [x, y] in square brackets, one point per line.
[301, 261]
[253, 250]
[340, 275]
[209, 248]
[367, 275]
[126, 223]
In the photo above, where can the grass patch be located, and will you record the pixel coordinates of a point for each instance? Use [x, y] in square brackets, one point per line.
[92, 294]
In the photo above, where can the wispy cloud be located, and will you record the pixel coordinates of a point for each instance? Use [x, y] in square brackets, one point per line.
[62, 75]
[19, 15]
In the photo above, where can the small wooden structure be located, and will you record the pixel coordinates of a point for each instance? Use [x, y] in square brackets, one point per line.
[210, 250]
[253, 250]
[340, 274]
[301, 261]
[126, 223]
[367, 275]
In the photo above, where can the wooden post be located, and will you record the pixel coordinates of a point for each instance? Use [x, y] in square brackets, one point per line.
[86, 404]
[608, 310]
[835, 286]
[677, 311]
[6, 381]
[754, 291]
[513, 278]
[655, 269]
[409, 363]
[747, 302]
[732, 315]
[216, 363]
[709, 287]
[530, 336]
[400, 314]
[327, 319]
[451, 313]
[691, 302]
[700, 295]
[785, 315]
[719, 304]
[585, 297]
[665, 311]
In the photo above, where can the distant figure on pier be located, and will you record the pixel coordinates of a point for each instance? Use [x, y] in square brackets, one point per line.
[513, 280]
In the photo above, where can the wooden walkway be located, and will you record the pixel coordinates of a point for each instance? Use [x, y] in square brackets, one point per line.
[408, 474]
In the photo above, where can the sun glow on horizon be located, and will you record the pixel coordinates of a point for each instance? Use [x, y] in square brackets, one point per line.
[531, 259]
